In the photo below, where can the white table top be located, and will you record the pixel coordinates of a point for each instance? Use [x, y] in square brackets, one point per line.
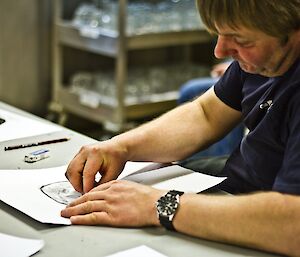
[88, 241]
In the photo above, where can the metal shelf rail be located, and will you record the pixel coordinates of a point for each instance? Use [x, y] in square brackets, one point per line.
[115, 45]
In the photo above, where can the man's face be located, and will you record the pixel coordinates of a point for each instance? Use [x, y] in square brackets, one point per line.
[256, 52]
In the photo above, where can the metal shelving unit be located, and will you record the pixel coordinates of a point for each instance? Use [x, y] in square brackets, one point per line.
[115, 114]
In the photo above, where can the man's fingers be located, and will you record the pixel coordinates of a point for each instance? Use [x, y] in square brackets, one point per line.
[84, 167]
[116, 203]
[83, 208]
[102, 187]
[91, 196]
[74, 174]
[112, 173]
[96, 218]
[91, 168]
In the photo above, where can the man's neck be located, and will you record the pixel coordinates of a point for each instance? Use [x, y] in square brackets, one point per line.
[291, 56]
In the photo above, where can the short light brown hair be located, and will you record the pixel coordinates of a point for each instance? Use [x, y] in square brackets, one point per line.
[277, 18]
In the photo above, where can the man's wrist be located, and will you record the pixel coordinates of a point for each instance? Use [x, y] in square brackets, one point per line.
[167, 207]
[121, 147]
[124, 143]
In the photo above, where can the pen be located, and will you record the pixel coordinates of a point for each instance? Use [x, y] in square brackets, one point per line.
[58, 140]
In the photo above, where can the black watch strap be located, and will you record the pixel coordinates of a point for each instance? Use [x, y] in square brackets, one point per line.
[166, 221]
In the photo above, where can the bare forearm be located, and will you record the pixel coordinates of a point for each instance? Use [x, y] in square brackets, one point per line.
[180, 132]
[171, 137]
[266, 221]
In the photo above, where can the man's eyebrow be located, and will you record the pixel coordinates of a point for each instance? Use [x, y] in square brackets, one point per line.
[231, 34]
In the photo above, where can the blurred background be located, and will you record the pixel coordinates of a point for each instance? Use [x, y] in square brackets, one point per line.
[100, 67]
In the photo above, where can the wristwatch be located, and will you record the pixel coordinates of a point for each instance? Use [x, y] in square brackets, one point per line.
[166, 208]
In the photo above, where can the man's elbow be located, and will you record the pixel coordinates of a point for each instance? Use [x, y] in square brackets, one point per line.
[291, 232]
[291, 245]
[292, 249]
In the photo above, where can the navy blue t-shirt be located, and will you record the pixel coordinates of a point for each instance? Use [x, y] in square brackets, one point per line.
[268, 157]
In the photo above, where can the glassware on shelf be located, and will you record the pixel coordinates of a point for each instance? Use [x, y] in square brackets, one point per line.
[142, 83]
[142, 16]
[109, 14]
[82, 80]
[95, 19]
[104, 84]
[83, 14]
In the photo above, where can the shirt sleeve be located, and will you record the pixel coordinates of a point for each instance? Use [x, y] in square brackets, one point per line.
[229, 88]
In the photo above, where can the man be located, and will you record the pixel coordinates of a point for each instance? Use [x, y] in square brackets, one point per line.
[262, 88]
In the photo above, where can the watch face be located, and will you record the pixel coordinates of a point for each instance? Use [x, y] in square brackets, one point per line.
[166, 208]
[167, 205]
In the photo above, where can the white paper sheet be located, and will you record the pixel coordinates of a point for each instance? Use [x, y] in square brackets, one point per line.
[12, 246]
[175, 177]
[139, 251]
[41, 193]
[21, 189]
[17, 126]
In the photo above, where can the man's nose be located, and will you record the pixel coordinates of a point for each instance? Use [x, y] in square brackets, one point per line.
[223, 48]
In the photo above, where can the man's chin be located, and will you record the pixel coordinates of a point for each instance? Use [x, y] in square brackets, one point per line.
[249, 69]
[262, 72]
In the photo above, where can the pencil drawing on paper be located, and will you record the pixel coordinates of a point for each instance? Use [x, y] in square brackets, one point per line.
[61, 192]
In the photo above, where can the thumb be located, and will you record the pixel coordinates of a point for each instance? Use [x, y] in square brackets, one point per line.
[112, 173]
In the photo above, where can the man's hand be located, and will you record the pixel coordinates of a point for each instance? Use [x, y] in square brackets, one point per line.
[106, 158]
[116, 203]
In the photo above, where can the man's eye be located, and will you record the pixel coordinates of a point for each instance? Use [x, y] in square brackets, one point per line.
[243, 43]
